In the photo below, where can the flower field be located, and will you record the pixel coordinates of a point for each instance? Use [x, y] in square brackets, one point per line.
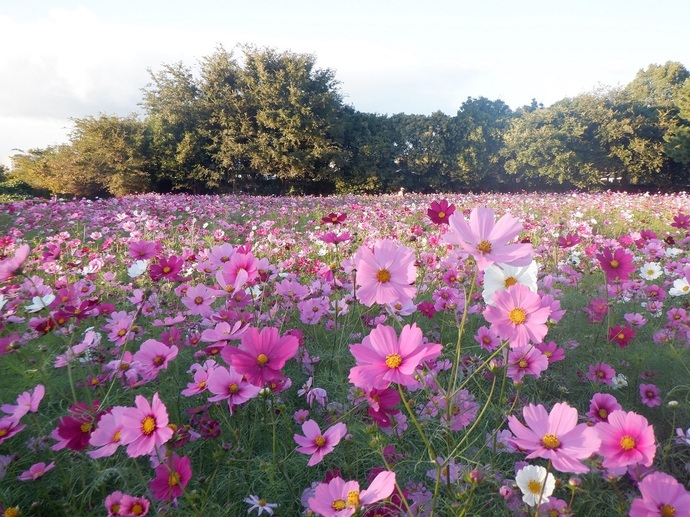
[522, 354]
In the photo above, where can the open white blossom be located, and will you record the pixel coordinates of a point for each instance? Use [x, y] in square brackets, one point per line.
[40, 302]
[681, 287]
[137, 269]
[499, 277]
[534, 482]
[619, 381]
[651, 271]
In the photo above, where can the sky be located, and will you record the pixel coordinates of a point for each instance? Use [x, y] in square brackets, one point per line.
[69, 59]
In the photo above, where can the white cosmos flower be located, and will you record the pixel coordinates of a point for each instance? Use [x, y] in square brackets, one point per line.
[651, 271]
[533, 481]
[38, 303]
[3, 301]
[619, 381]
[137, 269]
[499, 277]
[680, 287]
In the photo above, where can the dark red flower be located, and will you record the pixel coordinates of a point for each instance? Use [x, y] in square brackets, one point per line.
[621, 335]
[569, 240]
[440, 211]
[334, 218]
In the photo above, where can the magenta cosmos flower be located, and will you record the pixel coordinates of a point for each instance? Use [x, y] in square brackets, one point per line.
[316, 443]
[383, 358]
[555, 436]
[617, 264]
[440, 211]
[662, 496]
[261, 355]
[171, 477]
[145, 427]
[488, 241]
[386, 274]
[518, 316]
[227, 384]
[650, 395]
[626, 439]
[601, 406]
[340, 498]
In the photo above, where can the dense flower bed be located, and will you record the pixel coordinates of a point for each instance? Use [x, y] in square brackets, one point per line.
[375, 356]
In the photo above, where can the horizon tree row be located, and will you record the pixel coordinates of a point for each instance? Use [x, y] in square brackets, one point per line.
[266, 121]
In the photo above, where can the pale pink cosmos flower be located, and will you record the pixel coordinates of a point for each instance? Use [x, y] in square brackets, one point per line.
[198, 300]
[383, 358]
[11, 265]
[526, 360]
[626, 439]
[261, 354]
[113, 502]
[518, 316]
[145, 426]
[662, 495]
[488, 241]
[316, 443]
[555, 436]
[227, 384]
[386, 274]
[200, 384]
[134, 506]
[9, 426]
[240, 269]
[340, 498]
[108, 435]
[36, 471]
[26, 402]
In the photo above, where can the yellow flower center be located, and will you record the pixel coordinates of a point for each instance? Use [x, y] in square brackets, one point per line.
[116, 436]
[233, 388]
[338, 504]
[202, 385]
[534, 487]
[158, 360]
[550, 441]
[383, 276]
[667, 510]
[137, 509]
[115, 509]
[484, 247]
[603, 413]
[261, 502]
[517, 316]
[12, 512]
[353, 499]
[628, 443]
[85, 427]
[166, 269]
[3, 432]
[121, 332]
[198, 300]
[174, 479]
[511, 280]
[148, 425]
[320, 441]
[441, 215]
[262, 359]
[523, 363]
[614, 263]
[393, 360]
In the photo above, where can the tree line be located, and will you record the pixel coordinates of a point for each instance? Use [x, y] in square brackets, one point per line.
[258, 120]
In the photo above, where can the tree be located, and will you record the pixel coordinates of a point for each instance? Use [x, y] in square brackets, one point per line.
[482, 124]
[115, 151]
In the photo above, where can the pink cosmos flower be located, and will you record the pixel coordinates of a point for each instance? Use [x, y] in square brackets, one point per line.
[621, 335]
[200, 383]
[601, 372]
[662, 496]
[650, 395]
[333, 218]
[227, 384]
[144, 250]
[488, 241]
[154, 356]
[36, 471]
[317, 444]
[383, 358]
[381, 404]
[386, 274]
[113, 502]
[555, 436]
[552, 351]
[487, 339]
[517, 315]
[339, 498]
[168, 268]
[601, 406]
[617, 264]
[171, 477]
[145, 426]
[26, 402]
[131, 506]
[626, 439]
[108, 434]
[10, 266]
[198, 300]
[241, 269]
[261, 354]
